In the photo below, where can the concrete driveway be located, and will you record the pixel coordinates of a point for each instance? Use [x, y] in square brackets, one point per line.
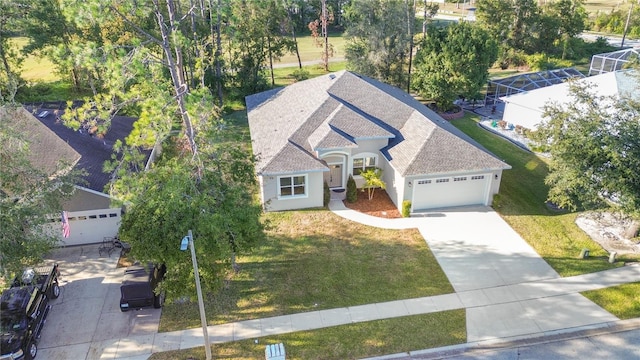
[494, 272]
[85, 322]
[478, 250]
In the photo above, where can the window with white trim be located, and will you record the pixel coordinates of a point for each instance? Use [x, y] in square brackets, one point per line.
[292, 186]
[362, 164]
[477, 177]
[424, 182]
[438, 181]
[460, 178]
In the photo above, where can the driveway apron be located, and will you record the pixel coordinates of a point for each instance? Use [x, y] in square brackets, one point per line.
[478, 250]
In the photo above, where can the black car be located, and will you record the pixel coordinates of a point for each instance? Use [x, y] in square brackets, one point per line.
[139, 285]
[23, 311]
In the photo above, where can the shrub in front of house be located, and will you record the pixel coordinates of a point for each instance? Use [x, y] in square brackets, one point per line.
[352, 190]
[406, 208]
[327, 194]
[497, 202]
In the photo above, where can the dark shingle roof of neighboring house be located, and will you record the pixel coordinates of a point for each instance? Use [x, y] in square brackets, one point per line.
[333, 111]
[93, 151]
[46, 150]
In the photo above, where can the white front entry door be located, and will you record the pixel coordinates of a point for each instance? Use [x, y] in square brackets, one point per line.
[335, 175]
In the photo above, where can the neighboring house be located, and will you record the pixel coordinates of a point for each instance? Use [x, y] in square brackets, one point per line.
[91, 215]
[327, 128]
[527, 108]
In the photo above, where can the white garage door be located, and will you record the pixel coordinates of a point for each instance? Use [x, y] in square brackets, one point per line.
[450, 191]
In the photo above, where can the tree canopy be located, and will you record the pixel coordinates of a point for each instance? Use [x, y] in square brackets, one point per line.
[594, 143]
[379, 34]
[452, 62]
[524, 26]
[160, 69]
[171, 199]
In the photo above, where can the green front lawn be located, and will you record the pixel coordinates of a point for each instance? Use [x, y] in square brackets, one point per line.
[315, 260]
[521, 202]
[354, 341]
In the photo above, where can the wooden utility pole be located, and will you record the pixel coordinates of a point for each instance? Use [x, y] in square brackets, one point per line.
[626, 25]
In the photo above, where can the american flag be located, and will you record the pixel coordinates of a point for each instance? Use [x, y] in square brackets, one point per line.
[66, 231]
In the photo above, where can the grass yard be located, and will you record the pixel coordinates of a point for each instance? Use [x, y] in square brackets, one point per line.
[622, 301]
[309, 51]
[284, 76]
[315, 260]
[521, 202]
[353, 341]
[35, 68]
[595, 6]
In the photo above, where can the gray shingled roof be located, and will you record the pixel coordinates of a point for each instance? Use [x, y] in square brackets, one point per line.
[46, 150]
[332, 111]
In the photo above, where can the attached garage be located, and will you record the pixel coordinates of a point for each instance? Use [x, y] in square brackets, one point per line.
[450, 191]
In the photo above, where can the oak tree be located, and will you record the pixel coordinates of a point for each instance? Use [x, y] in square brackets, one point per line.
[594, 143]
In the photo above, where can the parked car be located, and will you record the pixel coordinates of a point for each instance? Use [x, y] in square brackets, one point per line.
[139, 285]
[24, 308]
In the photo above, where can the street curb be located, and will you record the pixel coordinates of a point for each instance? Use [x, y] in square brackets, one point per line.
[516, 341]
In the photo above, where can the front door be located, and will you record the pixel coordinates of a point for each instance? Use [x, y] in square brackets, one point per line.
[335, 175]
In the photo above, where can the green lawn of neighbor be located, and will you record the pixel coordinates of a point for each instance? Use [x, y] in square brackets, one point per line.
[622, 301]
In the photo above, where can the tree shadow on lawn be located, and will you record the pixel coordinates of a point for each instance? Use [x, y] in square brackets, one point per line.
[314, 260]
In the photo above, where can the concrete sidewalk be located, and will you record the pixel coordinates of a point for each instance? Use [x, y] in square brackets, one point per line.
[520, 301]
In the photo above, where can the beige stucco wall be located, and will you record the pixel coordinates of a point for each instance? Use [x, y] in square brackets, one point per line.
[313, 198]
[86, 199]
[395, 183]
[496, 179]
[371, 147]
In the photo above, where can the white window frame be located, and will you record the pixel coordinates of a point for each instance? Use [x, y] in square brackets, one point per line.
[292, 187]
[364, 157]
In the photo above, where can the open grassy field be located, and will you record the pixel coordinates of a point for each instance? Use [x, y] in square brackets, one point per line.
[592, 6]
[309, 51]
[315, 260]
[595, 6]
[35, 68]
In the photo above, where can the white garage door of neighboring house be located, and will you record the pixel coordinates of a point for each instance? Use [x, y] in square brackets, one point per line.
[450, 191]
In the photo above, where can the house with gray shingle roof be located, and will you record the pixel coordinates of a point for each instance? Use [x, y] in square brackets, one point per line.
[341, 124]
[91, 214]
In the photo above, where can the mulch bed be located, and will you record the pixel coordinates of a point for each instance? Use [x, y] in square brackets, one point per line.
[380, 206]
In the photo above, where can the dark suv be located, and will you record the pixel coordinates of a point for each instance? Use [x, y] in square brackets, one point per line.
[23, 311]
[139, 285]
